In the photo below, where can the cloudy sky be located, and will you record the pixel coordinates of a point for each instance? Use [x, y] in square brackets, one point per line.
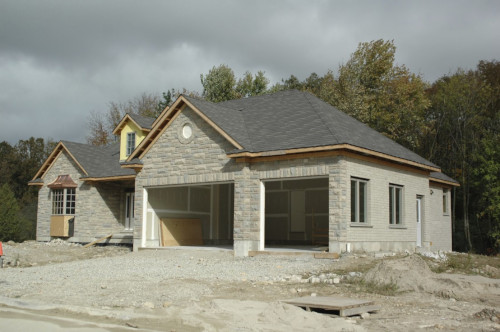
[60, 60]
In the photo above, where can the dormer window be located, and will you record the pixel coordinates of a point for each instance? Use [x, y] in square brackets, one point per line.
[130, 143]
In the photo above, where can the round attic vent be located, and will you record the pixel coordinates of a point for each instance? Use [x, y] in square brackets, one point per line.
[187, 131]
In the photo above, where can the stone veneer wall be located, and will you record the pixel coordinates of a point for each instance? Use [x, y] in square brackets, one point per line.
[98, 209]
[173, 160]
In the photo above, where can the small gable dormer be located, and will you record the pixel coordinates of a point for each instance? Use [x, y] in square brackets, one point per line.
[132, 129]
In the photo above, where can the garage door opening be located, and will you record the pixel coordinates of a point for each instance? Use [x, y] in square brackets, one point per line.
[296, 213]
[196, 215]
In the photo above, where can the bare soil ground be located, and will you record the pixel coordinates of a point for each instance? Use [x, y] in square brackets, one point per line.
[213, 291]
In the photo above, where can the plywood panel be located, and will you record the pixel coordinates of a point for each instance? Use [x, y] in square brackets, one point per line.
[59, 226]
[181, 232]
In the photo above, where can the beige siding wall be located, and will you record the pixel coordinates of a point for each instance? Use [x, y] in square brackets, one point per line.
[378, 234]
[439, 222]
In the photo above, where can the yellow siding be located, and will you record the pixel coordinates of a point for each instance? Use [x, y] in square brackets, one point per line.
[139, 136]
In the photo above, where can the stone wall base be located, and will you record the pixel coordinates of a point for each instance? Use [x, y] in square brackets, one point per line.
[242, 247]
[374, 246]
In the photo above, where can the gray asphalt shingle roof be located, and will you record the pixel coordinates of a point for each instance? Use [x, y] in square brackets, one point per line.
[280, 121]
[98, 161]
[293, 119]
[143, 121]
[442, 176]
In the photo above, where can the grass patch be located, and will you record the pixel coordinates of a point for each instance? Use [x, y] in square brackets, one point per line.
[487, 266]
[363, 286]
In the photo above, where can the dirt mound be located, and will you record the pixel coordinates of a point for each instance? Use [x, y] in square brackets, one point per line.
[409, 273]
[413, 274]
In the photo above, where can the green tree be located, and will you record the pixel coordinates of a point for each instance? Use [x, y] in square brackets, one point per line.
[9, 215]
[251, 86]
[219, 84]
[387, 97]
[459, 139]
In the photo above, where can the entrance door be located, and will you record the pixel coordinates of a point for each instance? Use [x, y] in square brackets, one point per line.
[419, 221]
[129, 210]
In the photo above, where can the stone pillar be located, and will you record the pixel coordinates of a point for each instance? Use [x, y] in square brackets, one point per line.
[138, 215]
[246, 211]
[338, 206]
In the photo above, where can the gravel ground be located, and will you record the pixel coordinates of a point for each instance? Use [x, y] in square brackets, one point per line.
[149, 276]
[211, 290]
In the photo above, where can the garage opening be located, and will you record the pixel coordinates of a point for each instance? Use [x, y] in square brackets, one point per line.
[199, 215]
[296, 212]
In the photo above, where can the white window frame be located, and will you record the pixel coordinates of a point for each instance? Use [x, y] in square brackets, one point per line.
[63, 201]
[355, 204]
[396, 204]
[446, 209]
[130, 143]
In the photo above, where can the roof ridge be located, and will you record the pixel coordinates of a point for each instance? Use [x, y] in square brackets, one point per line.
[323, 120]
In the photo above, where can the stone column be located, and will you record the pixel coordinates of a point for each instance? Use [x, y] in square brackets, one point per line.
[246, 211]
[338, 206]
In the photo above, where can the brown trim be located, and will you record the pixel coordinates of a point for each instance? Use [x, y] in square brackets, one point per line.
[152, 140]
[109, 178]
[164, 116]
[35, 184]
[159, 116]
[439, 182]
[320, 151]
[52, 158]
[323, 154]
[134, 166]
[120, 125]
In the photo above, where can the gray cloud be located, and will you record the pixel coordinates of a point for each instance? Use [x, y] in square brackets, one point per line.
[59, 60]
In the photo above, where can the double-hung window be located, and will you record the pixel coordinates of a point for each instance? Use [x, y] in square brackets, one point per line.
[63, 201]
[130, 143]
[395, 204]
[358, 200]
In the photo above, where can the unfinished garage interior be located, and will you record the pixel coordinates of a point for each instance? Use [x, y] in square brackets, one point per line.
[296, 212]
[200, 215]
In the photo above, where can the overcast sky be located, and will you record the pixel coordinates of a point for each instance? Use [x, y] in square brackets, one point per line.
[60, 60]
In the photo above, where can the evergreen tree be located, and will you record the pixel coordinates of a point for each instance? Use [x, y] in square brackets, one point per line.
[10, 227]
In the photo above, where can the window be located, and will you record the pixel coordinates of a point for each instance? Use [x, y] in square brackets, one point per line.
[395, 205]
[445, 201]
[358, 200]
[63, 201]
[130, 143]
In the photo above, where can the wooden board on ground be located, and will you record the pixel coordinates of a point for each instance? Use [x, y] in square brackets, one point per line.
[98, 240]
[181, 232]
[344, 306]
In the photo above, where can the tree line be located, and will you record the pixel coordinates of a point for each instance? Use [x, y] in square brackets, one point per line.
[453, 122]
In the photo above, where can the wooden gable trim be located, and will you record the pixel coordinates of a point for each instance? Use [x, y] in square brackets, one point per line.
[164, 121]
[159, 116]
[328, 150]
[158, 125]
[109, 178]
[47, 165]
[122, 123]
